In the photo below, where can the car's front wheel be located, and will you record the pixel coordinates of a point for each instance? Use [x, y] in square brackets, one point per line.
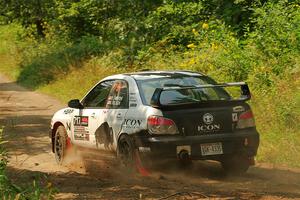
[60, 143]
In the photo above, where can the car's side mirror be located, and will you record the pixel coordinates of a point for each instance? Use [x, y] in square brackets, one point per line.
[75, 103]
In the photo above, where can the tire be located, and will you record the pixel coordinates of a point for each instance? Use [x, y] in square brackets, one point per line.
[185, 164]
[125, 152]
[60, 143]
[236, 165]
[184, 160]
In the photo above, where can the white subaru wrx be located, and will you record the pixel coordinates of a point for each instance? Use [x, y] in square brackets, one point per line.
[167, 114]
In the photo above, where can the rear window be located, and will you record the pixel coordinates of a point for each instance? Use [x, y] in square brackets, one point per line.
[181, 96]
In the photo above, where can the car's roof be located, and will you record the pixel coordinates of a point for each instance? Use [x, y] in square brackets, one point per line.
[153, 74]
[144, 75]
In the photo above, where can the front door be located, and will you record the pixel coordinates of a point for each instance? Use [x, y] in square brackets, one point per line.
[87, 120]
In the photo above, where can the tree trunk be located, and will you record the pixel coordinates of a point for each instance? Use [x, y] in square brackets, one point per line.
[39, 28]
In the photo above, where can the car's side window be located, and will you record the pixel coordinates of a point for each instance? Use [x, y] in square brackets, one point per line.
[118, 96]
[98, 95]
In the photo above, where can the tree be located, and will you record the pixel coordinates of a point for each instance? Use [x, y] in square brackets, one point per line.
[30, 13]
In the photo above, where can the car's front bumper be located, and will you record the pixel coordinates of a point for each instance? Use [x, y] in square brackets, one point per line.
[240, 142]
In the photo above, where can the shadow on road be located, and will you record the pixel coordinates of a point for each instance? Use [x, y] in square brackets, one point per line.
[26, 134]
[11, 86]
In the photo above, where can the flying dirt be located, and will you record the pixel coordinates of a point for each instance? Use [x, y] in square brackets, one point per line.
[97, 175]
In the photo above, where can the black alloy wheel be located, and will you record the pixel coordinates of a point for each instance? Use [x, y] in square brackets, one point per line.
[60, 144]
[125, 151]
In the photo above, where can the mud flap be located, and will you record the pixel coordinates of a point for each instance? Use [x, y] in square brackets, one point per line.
[251, 161]
[68, 143]
[139, 165]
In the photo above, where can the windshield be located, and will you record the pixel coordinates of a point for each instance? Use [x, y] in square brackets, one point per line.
[180, 96]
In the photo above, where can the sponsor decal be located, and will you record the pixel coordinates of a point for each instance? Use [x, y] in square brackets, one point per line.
[114, 100]
[68, 126]
[68, 111]
[234, 117]
[132, 123]
[81, 131]
[132, 99]
[208, 118]
[209, 125]
[81, 121]
[82, 136]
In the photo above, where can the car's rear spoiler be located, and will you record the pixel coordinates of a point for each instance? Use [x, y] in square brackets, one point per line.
[245, 92]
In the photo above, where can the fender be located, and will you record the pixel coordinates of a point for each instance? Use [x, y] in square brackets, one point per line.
[61, 117]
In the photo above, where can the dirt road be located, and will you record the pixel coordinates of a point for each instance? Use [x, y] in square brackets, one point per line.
[26, 116]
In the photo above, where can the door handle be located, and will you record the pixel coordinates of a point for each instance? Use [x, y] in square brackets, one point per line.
[93, 115]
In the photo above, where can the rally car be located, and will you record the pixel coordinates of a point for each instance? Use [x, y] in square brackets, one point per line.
[167, 114]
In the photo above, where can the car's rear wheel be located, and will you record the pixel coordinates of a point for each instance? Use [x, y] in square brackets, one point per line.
[125, 152]
[184, 159]
[236, 164]
[185, 164]
[60, 143]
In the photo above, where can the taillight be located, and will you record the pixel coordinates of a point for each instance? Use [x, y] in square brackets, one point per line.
[246, 120]
[161, 125]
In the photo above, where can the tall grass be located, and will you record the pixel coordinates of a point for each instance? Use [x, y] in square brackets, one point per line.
[9, 55]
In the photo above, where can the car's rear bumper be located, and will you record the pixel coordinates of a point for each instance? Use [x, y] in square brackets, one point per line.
[240, 142]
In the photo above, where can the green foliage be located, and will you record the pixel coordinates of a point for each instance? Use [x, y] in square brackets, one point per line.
[273, 46]
[277, 28]
[32, 14]
[97, 17]
[175, 21]
[8, 48]
[42, 62]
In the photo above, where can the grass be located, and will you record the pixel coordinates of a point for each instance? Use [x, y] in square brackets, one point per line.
[78, 81]
[9, 56]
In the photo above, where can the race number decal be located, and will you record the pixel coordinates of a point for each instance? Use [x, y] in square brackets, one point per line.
[81, 131]
[234, 117]
[81, 121]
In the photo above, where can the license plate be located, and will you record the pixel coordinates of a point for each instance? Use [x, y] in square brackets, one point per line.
[211, 149]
